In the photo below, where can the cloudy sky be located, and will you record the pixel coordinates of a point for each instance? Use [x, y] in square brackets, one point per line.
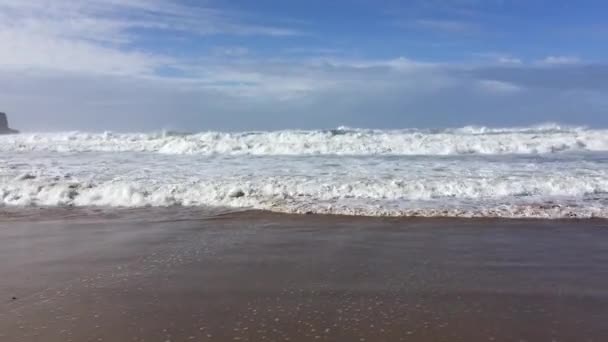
[139, 65]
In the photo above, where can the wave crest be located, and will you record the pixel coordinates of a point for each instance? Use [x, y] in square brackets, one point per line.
[542, 197]
[543, 139]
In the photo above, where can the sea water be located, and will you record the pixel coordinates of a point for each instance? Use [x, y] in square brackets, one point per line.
[547, 171]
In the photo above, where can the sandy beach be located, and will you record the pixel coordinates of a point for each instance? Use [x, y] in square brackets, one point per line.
[253, 276]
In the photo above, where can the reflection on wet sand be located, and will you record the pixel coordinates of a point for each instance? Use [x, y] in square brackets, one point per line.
[255, 276]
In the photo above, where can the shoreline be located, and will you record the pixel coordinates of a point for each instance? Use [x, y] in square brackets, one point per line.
[9, 214]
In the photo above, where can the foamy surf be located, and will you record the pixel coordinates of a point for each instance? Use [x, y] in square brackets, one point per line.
[342, 141]
[538, 172]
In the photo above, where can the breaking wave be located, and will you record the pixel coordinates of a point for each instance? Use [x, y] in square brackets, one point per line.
[542, 139]
[547, 171]
[430, 200]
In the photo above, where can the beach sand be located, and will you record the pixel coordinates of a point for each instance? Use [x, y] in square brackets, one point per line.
[263, 277]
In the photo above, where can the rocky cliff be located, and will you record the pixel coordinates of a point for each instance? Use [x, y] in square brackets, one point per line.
[4, 129]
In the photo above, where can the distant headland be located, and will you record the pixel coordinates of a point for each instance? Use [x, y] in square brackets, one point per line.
[4, 129]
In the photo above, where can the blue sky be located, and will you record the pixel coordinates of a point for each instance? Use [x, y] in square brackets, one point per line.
[269, 64]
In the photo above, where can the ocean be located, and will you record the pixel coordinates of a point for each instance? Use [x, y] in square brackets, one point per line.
[546, 171]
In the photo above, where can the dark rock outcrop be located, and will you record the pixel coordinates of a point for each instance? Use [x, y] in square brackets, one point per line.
[4, 129]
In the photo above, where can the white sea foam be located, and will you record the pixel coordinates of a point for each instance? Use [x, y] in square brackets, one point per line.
[453, 199]
[543, 139]
[552, 185]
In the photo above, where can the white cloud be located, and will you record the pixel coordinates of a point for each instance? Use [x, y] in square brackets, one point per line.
[509, 60]
[445, 25]
[88, 18]
[499, 57]
[560, 60]
[44, 52]
[289, 79]
[400, 64]
[272, 95]
[99, 36]
[230, 51]
[498, 87]
[250, 94]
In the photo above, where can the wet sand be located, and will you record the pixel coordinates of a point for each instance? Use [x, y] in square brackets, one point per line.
[263, 277]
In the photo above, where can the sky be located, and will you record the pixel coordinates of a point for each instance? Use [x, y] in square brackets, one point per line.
[149, 65]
